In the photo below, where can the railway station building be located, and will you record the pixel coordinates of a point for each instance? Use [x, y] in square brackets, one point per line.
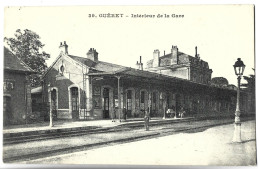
[84, 87]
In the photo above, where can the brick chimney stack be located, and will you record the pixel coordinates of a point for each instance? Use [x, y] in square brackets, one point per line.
[92, 54]
[175, 57]
[64, 48]
[196, 51]
[139, 65]
[156, 58]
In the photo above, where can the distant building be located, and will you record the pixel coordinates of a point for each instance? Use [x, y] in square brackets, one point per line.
[179, 64]
[17, 90]
[87, 88]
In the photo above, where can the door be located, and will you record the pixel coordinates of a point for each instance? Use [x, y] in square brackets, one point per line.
[75, 102]
[154, 104]
[7, 110]
[129, 103]
[178, 103]
[54, 103]
[106, 103]
[142, 101]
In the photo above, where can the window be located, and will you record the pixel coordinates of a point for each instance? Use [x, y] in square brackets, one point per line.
[8, 85]
[62, 69]
[74, 91]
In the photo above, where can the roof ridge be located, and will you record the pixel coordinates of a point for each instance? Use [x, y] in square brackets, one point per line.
[19, 61]
[108, 63]
[99, 61]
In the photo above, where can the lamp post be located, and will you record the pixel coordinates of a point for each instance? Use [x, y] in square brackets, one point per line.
[50, 95]
[119, 98]
[239, 68]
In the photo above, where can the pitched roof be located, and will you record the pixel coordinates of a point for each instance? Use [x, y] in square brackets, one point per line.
[107, 67]
[82, 60]
[13, 63]
[97, 65]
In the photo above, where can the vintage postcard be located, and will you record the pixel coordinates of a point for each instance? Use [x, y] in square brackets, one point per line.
[161, 85]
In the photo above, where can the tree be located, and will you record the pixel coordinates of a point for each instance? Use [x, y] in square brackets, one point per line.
[250, 85]
[27, 46]
[250, 88]
[219, 81]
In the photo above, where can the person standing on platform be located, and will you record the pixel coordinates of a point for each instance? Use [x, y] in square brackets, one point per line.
[146, 119]
[124, 113]
[182, 112]
[113, 114]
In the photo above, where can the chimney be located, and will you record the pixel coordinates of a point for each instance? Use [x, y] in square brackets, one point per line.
[196, 52]
[64, 48]
[156, 58]
[92, 54]
[139, 65]
[175, 57]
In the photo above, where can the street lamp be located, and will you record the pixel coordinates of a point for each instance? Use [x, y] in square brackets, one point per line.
[239, 68]
[50, 97]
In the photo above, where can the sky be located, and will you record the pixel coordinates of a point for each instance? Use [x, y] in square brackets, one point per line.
[222, 33]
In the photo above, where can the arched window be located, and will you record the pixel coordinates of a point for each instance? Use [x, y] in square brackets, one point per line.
[62, 68]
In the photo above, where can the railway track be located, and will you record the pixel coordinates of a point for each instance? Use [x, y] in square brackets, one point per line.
[15, 139]
[164, 131]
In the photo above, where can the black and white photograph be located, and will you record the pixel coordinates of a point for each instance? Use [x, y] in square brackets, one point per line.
[129, 85]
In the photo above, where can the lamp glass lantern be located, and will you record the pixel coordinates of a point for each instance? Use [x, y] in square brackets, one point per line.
[239, 67]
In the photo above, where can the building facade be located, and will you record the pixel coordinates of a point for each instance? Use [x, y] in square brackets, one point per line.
[87, 88]
[179, 64]
[17, 90]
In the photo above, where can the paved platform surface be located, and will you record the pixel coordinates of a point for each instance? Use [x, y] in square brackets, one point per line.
[68, 124]
[41, 148]
[212, 146]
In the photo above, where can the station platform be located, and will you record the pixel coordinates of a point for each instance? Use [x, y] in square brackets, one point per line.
[69, 125]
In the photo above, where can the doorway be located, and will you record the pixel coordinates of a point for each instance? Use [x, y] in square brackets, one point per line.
[142, 102]
[54, 103]
[129, 103]
[75, 103]
[106, 103]
[7, 110]
[154, 104]
[178, 103]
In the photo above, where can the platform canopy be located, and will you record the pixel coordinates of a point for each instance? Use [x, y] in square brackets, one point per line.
[132, 74]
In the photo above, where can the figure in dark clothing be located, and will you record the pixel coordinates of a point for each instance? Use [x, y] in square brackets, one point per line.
[124, 113]
[113, 114]
[182, 112]
[146, 120]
